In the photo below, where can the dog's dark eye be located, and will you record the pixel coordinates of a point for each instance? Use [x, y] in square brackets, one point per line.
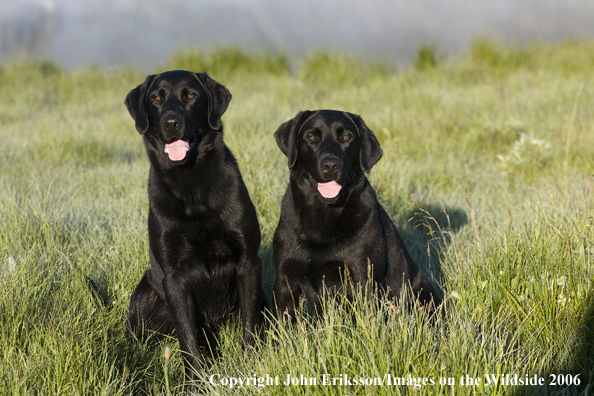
[311, 137]
[346, 138]
[157, 98]
[191, 96]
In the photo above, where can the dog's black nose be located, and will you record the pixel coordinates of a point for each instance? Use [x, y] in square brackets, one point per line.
[330, 166]
[171, 123]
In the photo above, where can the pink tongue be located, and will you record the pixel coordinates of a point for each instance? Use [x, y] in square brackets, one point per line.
[330, 189]
[177, 150]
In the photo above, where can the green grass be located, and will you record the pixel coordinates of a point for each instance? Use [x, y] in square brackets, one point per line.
[488, 173]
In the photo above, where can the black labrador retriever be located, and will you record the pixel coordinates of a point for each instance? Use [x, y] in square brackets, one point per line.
[203, 230]
[330, 217]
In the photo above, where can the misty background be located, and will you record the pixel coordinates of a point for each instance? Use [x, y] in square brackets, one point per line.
[146, 33]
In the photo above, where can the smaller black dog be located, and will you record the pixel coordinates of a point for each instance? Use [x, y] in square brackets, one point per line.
[203, 231]
[330, 216]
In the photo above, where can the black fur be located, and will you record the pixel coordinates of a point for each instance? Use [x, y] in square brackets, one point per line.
[317, 237]
[203, 231]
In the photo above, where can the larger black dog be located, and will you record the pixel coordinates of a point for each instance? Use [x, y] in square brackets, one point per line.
[203, 231]
[330, 215]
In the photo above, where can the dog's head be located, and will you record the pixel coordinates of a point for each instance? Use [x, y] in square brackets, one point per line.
[330, 147]
[177, 108]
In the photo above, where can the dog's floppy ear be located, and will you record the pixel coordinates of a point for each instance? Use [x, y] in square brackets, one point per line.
[218, 99]
[136, 105]
[369, 151]
[286, 135]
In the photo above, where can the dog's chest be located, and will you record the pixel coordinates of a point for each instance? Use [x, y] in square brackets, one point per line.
[329, 260]
[188, 242]
[215, 294]
[204, 247]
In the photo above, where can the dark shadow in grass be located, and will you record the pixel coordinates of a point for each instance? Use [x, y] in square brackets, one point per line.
[572, 371]
[268, 272]
[581, 357]
[574, 375]
[428, 231]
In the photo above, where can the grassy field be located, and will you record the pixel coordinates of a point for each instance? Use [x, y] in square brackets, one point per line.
[488, 173]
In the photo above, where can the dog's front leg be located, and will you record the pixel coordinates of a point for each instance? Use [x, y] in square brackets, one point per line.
[249, 294]
[182, 308]
[286, 297]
